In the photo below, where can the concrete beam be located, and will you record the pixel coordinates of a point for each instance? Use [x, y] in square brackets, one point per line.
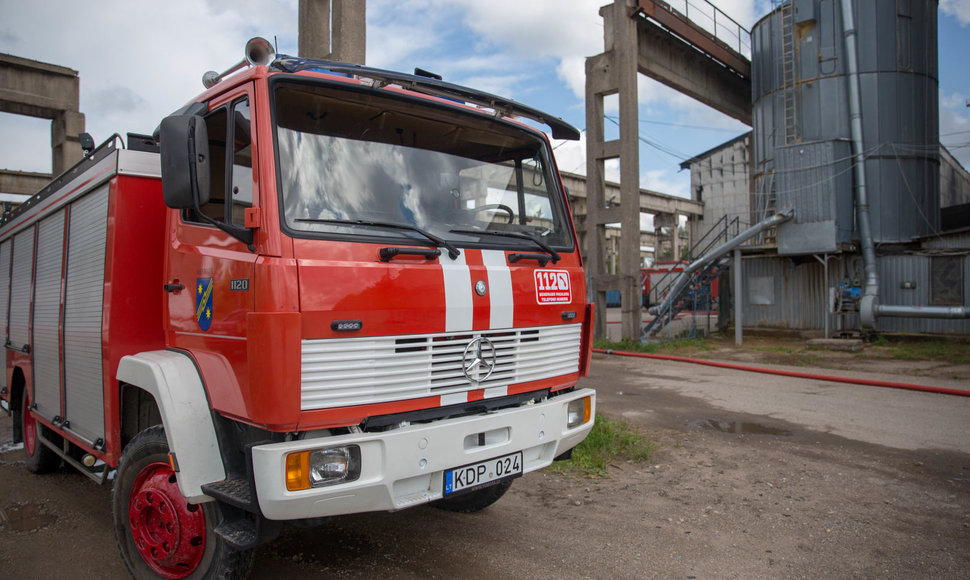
[36, 89]
[666, 58]
[650, 201]
[23, 182]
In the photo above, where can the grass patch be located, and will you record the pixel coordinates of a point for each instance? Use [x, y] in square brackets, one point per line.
[778, 349]
[908, 348]
[671, 347]
[609, 442]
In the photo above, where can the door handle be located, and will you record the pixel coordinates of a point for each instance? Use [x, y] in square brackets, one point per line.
[174, 287]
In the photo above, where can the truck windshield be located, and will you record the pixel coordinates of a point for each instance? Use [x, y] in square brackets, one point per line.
[351, 160]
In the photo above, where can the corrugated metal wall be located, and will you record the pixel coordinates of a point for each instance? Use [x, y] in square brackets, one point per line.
[790, 293]
[894, 273]
[798, 293]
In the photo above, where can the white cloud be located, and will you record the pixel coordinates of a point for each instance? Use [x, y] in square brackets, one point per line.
[663, 181]
[955, 126]
[138, 61]
[571, 155]
[536, 28]
[959, 9]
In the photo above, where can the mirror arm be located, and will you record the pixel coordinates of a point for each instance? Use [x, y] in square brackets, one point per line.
[244, 235]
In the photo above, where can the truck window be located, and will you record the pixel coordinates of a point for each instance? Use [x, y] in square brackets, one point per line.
[346, 157]
[216, 208]
[230, 152]
[242, 162]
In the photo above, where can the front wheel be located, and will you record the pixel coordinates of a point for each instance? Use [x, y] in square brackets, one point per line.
[159, 533]
[473, 501]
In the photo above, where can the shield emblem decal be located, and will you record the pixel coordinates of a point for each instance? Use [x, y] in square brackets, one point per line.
[203, 302]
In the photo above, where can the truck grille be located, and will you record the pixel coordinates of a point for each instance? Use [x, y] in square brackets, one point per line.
[364, 371]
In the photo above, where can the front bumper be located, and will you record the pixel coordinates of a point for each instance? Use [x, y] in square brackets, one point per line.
[405, 467]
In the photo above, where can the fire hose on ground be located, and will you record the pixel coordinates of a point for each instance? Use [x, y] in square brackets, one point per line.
[795, 374]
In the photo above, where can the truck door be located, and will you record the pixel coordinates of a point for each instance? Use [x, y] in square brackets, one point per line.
[210, 272]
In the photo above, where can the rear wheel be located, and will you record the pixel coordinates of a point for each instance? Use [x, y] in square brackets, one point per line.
[474, 501]
[159, 533]
[40, 458]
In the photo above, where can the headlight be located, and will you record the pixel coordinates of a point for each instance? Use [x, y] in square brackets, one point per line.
[322, 467]
[578, 412]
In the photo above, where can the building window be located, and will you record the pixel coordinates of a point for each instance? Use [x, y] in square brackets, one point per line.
[946, 281]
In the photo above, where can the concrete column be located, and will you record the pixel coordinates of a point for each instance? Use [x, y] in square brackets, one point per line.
[597, 86]
[314, 29]
[65, 146]
[333, 30]
[627, 55]
[349, 28]
[614, 72]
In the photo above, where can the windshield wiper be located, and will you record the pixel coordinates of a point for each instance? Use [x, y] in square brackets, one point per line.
[517, 235]
[453, 252]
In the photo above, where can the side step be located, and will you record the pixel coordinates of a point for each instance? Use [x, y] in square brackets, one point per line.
[235, 492]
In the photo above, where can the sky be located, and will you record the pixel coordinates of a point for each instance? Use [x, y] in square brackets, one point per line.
[140, 60]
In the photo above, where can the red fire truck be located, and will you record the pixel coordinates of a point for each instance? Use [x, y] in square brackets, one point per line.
[328, 289]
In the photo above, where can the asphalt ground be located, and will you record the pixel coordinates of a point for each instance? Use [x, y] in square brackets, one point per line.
[755, 476]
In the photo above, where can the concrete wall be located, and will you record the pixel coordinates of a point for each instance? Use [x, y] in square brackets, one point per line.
[720, 180]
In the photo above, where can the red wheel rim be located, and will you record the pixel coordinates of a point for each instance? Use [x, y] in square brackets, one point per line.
[168, 532]
[30, 429]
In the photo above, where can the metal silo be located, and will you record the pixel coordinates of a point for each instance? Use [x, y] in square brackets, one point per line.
[802, 139]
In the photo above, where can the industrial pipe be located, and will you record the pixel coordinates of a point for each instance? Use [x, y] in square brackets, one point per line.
[795, 374]
[869, 307]
[870, 291]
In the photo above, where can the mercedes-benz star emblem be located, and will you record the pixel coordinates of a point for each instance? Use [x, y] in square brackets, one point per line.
[478, 362]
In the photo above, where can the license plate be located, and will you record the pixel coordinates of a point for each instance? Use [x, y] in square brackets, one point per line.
[483, 472]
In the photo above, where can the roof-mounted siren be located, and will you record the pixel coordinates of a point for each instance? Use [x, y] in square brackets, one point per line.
[258, 51]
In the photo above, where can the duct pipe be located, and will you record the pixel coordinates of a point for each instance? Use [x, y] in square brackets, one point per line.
[714, 254]
[870, 290]
[869, 307]
[923, 311]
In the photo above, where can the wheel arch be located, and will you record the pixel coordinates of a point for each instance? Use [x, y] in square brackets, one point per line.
[172, 382]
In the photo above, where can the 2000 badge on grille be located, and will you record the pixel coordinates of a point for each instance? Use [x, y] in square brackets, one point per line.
[483, 472]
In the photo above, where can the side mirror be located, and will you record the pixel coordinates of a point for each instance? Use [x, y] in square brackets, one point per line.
[185, 161]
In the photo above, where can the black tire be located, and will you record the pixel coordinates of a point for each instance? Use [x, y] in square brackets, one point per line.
[474, 501]
[39, 458]
[148, 509]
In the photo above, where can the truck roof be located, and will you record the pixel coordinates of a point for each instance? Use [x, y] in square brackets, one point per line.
[429, 85]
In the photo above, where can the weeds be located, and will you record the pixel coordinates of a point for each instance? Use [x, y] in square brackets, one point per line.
[673, 347]
[907, 348]
[609, 441]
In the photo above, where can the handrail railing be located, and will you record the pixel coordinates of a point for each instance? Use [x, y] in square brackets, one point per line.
[709, 17]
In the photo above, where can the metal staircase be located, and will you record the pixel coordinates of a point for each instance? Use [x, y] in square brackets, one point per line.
[681, 291]
[719, 233]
